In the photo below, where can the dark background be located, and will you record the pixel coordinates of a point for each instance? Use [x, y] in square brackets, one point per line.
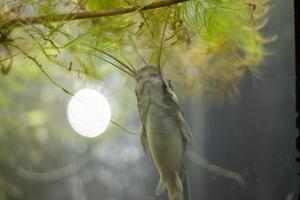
[256, 136]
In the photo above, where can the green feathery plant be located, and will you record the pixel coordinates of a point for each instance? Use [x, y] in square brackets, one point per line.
[209, 43]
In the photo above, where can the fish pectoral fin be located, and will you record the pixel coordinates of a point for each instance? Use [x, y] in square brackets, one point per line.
[179, 185]
[161, 187]
[143, 139]
[184, 127]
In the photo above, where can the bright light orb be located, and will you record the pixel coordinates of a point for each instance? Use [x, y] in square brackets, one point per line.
[89, 113]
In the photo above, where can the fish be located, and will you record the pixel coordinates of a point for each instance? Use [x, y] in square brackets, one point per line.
[164, 131]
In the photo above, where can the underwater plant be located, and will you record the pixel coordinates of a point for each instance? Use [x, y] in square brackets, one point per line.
[208, 43]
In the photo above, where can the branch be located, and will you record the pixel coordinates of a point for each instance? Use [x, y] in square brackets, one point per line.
[86, 15]
[202, 162]
[53, 174]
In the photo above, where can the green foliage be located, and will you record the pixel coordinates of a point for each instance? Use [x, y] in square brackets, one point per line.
[229, 33]
[218, 39]
[102, 5]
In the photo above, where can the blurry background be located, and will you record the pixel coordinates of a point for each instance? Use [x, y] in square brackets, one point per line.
[41, 157]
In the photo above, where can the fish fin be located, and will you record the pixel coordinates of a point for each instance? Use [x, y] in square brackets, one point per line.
[170, 93]
[184, 127]
[143, 139]
[179, 184]
[184, 176]
[178, 114]
[179, 188]
[161, 187]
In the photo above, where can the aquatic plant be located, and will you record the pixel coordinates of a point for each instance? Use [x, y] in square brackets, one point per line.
[208, 43]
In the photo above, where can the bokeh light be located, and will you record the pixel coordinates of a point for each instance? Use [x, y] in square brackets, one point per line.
[89, 113]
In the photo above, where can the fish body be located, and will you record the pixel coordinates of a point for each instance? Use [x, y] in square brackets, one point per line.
[165, 133]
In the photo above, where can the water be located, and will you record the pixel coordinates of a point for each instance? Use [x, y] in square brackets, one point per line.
[253, 137]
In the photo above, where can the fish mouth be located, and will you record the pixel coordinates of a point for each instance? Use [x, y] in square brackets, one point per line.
[144, 85]
[143, 88]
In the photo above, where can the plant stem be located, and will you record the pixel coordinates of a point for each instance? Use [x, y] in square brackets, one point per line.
[86, 15]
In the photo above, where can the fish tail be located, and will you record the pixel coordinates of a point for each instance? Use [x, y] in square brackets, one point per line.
[161, 187]
[184, 176]
[176, 189]
[182, 188]
[178, 185]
